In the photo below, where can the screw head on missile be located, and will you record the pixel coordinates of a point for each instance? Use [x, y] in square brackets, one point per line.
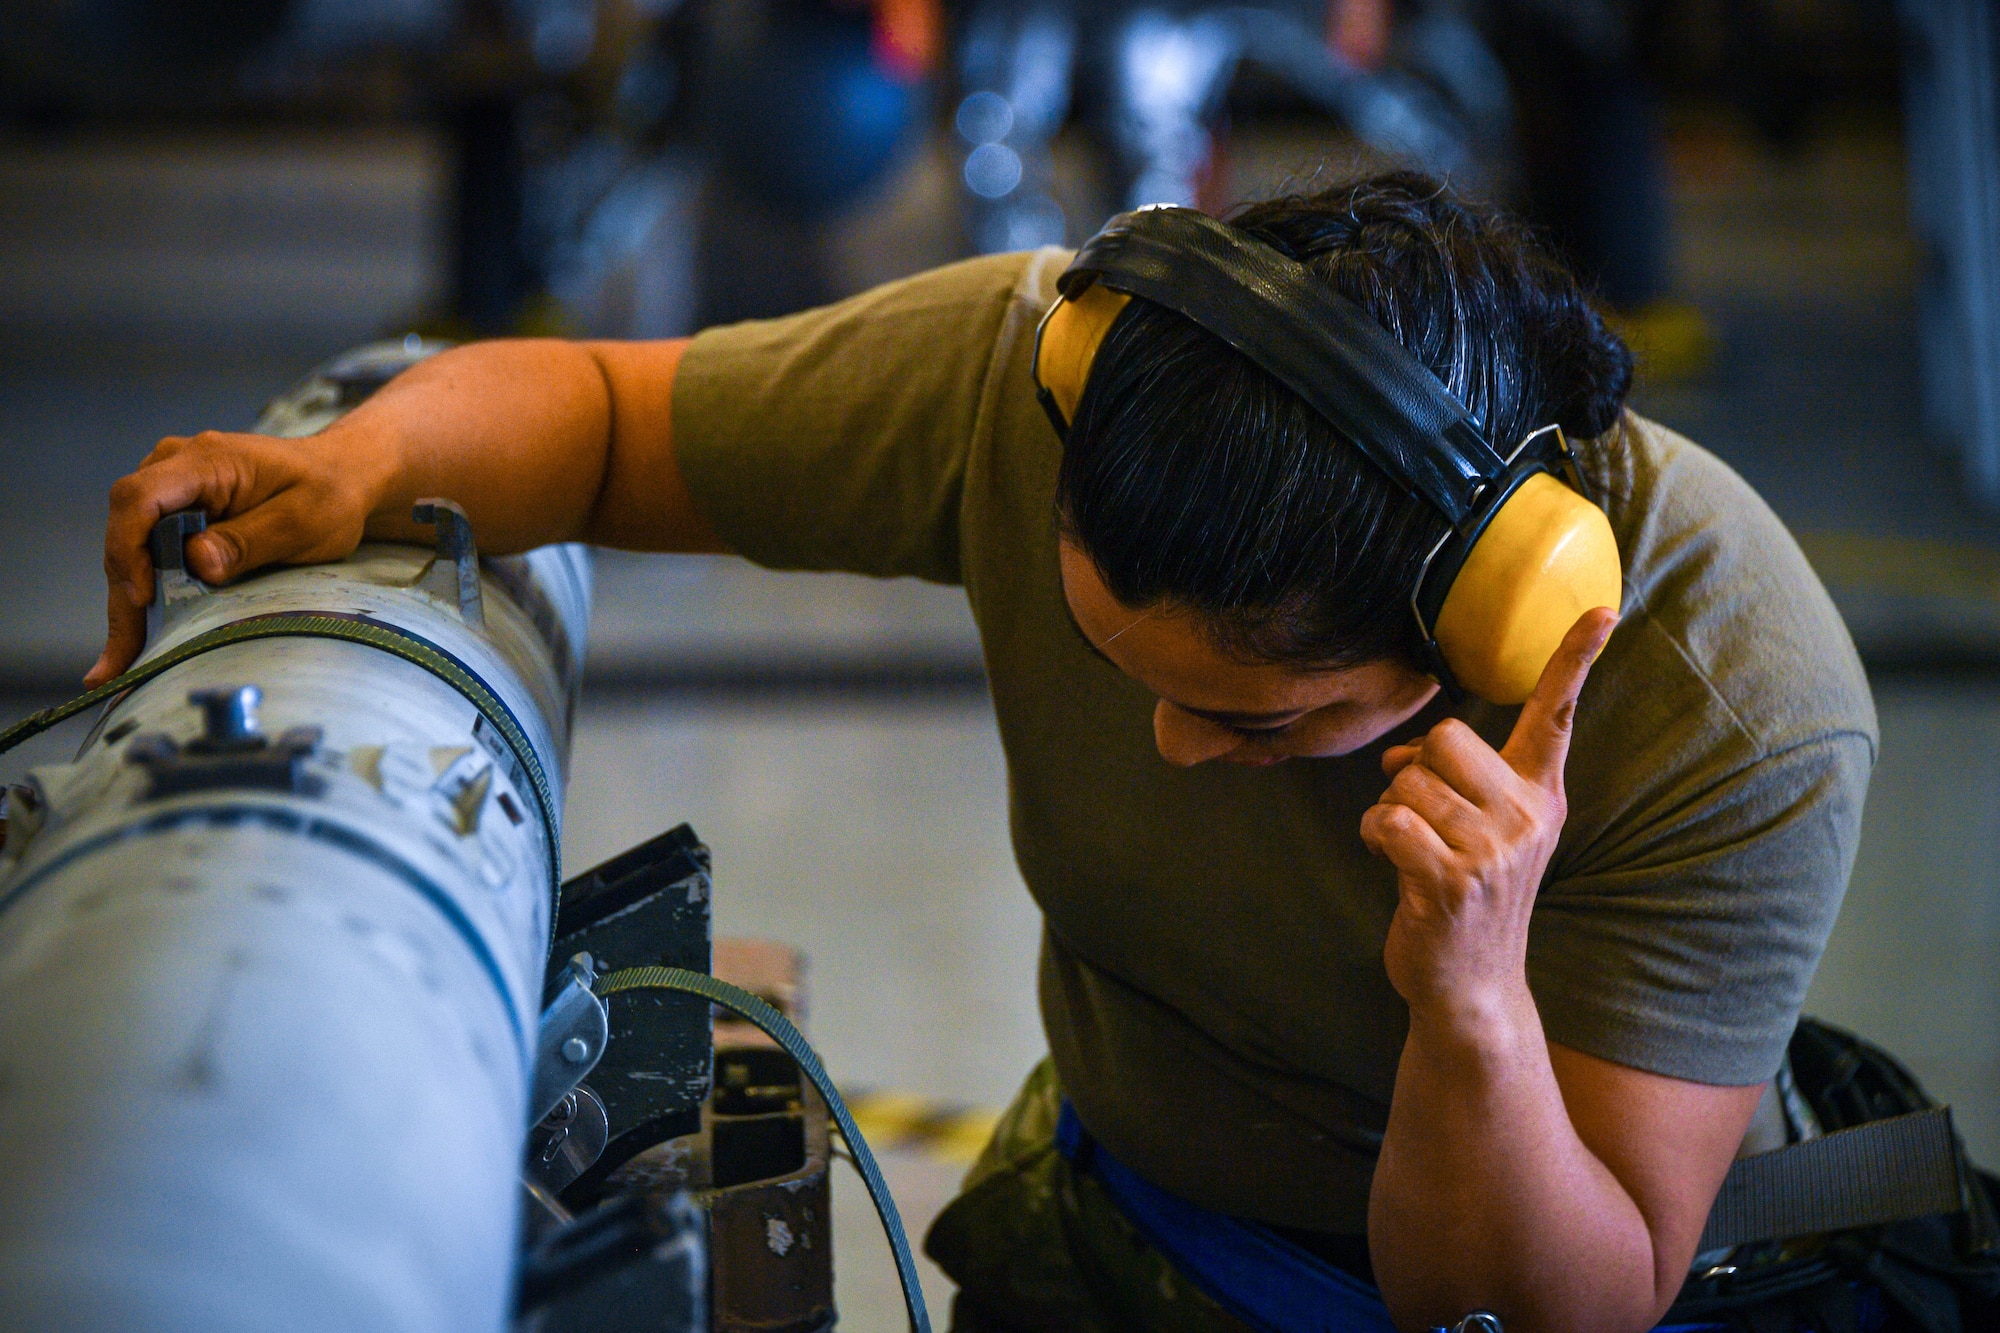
[575, 1050]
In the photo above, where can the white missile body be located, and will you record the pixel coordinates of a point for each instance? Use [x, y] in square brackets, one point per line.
[265, 1040]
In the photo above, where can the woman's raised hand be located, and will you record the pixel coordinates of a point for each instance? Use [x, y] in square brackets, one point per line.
[1470, 830]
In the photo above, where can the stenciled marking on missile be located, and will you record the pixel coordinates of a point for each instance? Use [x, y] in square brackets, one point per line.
[503, 754]
[366, 761]
[444, 756]
[461, 787]
[198, 1069]
[316, 828]
[470, 799]
[406, 772]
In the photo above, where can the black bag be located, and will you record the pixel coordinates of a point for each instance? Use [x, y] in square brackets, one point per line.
[1928, 1275]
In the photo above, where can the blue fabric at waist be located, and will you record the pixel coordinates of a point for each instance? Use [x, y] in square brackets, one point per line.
[1251, 1271]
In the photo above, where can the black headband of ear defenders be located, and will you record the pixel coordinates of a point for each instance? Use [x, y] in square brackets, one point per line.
[1322, 346]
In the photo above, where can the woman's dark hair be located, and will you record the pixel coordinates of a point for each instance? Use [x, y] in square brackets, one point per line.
[1194, 479]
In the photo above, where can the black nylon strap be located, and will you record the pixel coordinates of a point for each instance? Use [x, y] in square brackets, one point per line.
[1883, 1171]
[1323, 347]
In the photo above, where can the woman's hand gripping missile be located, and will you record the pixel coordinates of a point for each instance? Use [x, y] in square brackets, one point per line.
[1470, 830]
[277, 501]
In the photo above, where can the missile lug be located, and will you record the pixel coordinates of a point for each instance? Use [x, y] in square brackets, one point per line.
[254, 762]
[452, 576]
[175, 589]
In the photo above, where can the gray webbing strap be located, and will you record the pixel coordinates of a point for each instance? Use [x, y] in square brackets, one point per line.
[1884, 1171]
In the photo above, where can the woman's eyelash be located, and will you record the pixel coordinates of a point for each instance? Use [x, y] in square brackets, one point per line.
[1261, 733]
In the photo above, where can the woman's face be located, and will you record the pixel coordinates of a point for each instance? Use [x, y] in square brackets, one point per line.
[1212, 706]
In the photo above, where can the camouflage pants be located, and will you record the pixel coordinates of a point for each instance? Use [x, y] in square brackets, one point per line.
[1034, 1245]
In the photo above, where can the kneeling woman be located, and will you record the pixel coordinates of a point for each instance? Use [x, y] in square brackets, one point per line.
[1416, 942]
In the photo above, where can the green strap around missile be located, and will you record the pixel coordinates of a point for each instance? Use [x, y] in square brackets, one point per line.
[348, 629]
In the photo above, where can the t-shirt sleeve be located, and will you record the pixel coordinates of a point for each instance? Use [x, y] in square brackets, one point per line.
[837, 439]
[1689, 955]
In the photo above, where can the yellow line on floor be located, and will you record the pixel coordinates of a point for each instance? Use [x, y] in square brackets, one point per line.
[945, 1131]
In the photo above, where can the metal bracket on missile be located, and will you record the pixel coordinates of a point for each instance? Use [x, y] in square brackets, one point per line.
[567, 1141]
[174, 588]
[648, 907]
[452, 576]
[574, 1032]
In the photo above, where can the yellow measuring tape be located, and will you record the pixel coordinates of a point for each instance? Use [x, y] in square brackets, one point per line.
[349, 629]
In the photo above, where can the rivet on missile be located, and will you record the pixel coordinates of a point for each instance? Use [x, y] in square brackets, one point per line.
[575, 1050]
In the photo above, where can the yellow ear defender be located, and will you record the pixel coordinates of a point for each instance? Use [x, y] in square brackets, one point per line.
[1070, 335]
[1546, 557]
[1526, 552]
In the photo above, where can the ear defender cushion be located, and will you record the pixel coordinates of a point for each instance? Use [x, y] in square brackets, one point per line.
[1070, 338]
[1545, 558]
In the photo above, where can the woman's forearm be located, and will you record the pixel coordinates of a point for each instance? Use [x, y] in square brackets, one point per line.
[517, 431]
[1485, 1197]
[540, 441]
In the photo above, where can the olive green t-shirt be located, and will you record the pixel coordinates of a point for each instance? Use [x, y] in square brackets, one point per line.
[1211, 977]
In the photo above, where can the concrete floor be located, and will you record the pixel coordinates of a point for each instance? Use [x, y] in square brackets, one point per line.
[155, 286]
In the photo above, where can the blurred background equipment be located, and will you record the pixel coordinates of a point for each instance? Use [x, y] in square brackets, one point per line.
[1151, 82]
[186, 220]
[1952, 100]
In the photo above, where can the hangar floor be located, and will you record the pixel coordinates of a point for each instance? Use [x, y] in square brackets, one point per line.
[156, 285]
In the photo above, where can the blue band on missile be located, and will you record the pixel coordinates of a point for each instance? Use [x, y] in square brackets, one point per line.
[314, 828]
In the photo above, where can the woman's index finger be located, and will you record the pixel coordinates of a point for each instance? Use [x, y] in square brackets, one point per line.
[1539, 743]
